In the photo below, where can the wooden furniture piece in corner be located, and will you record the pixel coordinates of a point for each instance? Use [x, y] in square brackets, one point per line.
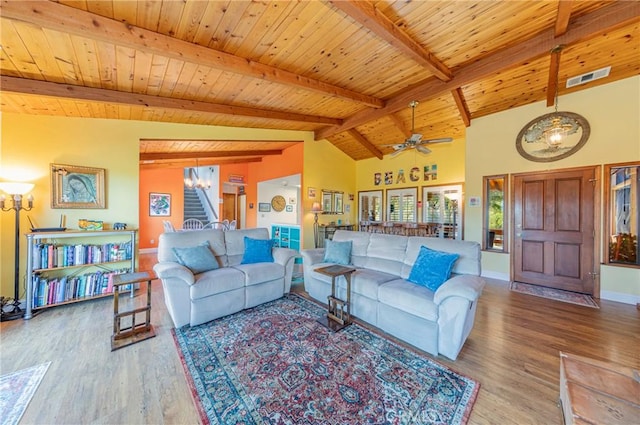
[137, 332]
[327, 231]
[338, 311]
[50, 261]
[595, 392]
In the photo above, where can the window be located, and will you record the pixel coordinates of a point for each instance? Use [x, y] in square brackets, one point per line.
[442, 205]
[622, 186]
[401, 205]
[494, 212]
[370, 203]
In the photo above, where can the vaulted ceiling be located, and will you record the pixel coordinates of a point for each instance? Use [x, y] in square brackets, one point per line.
[344, 70]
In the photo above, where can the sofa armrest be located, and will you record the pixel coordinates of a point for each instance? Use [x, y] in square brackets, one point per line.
[463, 285]
[170, 270]
[312, 256]
[283, 255]
[287, 258]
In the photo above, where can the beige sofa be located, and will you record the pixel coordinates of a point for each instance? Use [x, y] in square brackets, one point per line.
[437, 322]
[197, 298]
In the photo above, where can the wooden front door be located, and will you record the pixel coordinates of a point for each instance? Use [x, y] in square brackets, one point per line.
[554, 229]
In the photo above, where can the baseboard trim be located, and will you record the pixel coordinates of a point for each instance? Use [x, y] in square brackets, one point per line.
[495, 275]
[148, 250]
[620, 297]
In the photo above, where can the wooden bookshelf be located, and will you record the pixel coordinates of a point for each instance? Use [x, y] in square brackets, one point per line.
[85, 239]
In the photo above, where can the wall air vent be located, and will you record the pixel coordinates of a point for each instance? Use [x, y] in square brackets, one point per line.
[589, 76]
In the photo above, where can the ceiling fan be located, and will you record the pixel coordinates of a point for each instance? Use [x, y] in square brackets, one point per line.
[415, 140]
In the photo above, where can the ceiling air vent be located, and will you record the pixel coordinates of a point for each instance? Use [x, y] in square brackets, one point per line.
[589, 76]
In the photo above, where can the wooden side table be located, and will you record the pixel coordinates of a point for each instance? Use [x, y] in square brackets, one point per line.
[339, 311]
[597, 392]
[137, 332]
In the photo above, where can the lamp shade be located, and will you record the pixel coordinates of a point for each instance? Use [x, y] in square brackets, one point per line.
[16, 188]
[316, 207]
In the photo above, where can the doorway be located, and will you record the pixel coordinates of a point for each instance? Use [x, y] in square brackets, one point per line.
[554, 229]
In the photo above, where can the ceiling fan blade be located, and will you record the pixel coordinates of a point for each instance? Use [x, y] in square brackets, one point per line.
[423, 149]
[397, 152]
[442, 140]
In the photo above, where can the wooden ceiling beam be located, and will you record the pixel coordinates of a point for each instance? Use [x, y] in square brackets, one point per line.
[461, 103]
[406, 131]
[181, 163]
[562, 19]
[221, 140]
[67, 19]
[156, 156]
[367, 144]
[554, 69]
[602, 20]
[367, 15]
[44, 88]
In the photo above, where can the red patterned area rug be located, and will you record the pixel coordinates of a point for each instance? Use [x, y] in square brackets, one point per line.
[554, 294]
[16, 391]
[275, 364]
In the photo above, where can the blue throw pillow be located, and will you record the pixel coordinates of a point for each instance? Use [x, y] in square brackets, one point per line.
[257, 251]
[432, 268]
[337, 252]
[198, 259]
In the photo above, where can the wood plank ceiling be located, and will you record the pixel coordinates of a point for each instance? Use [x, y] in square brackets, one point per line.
[344, 70]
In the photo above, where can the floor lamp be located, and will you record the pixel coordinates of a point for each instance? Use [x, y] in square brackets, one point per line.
[316, 208]
[16, 191]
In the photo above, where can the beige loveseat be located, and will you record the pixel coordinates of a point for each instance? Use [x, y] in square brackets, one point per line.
[197, 298]
[438, 322]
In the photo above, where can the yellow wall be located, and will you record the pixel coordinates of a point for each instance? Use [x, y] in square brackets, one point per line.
[30, 143]
[612, 111]
[325, 167]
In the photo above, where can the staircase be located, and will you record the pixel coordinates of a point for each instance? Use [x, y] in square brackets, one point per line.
[193, 207]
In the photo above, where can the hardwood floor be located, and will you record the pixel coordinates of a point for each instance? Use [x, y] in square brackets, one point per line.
[512, 351]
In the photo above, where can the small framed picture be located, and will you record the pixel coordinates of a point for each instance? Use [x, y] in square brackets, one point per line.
[311, 192]
[292, 200]
[289, 208]
[159, 204]
[77, 187]
[264, 207]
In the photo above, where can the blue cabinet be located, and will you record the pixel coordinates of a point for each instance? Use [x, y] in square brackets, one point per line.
[286, 236]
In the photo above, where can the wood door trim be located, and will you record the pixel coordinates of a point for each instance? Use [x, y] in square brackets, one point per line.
[597, 198]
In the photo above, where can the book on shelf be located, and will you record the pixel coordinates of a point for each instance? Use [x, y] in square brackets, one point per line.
[50, 255]
[55, 290]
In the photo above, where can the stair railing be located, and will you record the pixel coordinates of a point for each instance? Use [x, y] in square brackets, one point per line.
[192, 174]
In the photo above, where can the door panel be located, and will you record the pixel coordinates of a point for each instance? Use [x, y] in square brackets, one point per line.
[554, 229]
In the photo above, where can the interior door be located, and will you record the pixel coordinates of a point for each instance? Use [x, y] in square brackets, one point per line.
[554, 229]
[229, 206]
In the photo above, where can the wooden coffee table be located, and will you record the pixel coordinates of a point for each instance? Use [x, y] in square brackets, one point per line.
[339, 311]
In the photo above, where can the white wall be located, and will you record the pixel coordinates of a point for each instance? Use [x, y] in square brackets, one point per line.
[289, 188]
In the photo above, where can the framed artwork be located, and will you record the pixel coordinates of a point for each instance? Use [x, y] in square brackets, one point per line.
[77, 187]
[264, 207]
[311, 192]
[159, 204]
[289, 208]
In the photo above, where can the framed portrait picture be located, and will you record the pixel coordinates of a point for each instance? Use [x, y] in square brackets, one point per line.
[159, 204]
[74, 186]
[311, 192]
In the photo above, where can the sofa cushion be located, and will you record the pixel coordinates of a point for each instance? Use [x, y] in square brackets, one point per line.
[405, 296]
[432, 268]
[234, 242]
[256, 273]
[337, 252]
[366, 282]
[216, 282]
[257, 251]
[197, 258]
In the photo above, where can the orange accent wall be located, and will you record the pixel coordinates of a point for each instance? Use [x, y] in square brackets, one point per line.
[271, 167]
[163, 180]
